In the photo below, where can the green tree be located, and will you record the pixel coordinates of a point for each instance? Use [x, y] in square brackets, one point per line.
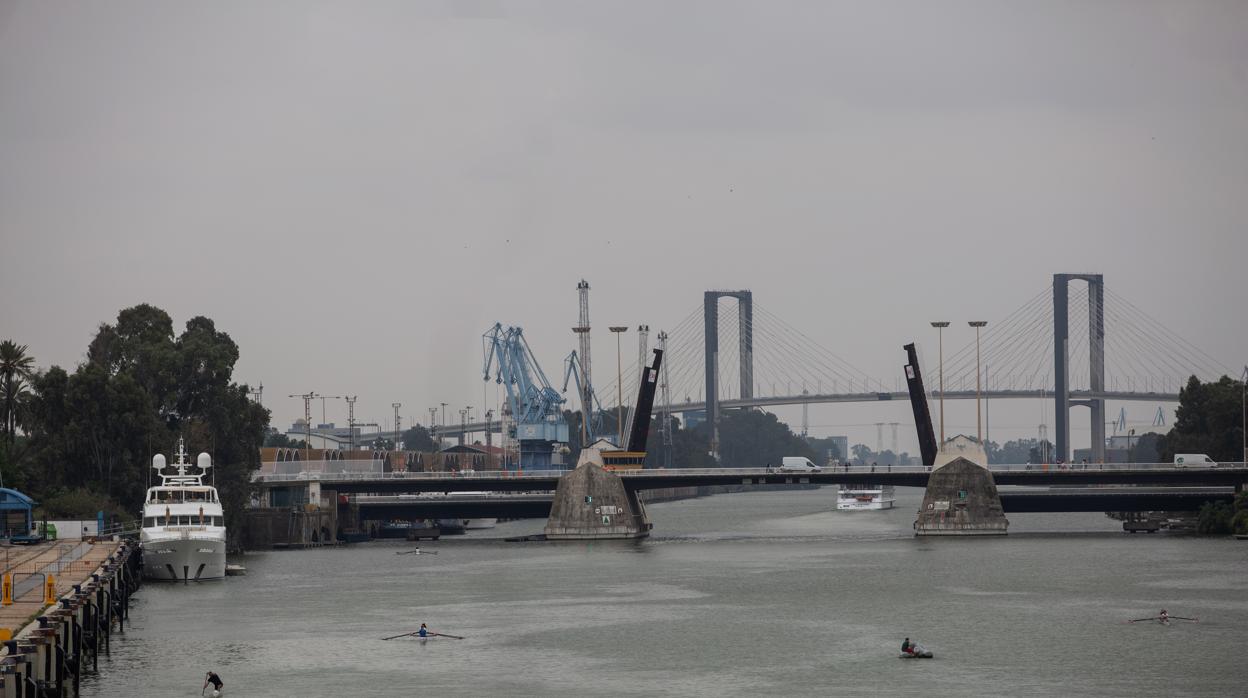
[1208, 420]
[1147, 448]
[140, 389]
[418, 439]
[205, 361]
[1215, 518]
[826, 447]
[1239, 523]
[111, 429]
[48, 415]
[754, 438]
[690, 448]
[16, 368]
[141, 345]
[280, 440]
[1017, 451]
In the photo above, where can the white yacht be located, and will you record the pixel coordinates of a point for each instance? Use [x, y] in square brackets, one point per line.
[183, 532]
[864, 497]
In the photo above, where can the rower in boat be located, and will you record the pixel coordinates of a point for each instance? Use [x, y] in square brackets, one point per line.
[912, 650]
[423, 632]
[1163, 618]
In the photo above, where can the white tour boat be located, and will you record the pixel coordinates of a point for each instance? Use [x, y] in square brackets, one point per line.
[183, 532]
[864, 497]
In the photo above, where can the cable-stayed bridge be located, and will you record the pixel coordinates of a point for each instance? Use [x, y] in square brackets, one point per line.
[1075, 342]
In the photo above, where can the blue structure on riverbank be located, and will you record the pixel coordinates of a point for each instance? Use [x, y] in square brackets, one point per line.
[17, 516]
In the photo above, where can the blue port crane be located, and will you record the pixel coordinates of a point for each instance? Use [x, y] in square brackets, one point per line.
[536, 407]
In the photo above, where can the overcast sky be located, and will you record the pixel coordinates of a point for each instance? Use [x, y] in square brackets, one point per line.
[356, 191]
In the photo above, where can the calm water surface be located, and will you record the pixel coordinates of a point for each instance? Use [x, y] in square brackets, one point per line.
[765, 593]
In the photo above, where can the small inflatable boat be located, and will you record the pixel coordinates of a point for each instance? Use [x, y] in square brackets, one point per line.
[919, 653]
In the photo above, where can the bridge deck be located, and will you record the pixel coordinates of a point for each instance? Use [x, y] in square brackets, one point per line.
[1226, 475]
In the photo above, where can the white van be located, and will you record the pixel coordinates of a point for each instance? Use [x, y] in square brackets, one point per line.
[1194, 460]
[799, 464]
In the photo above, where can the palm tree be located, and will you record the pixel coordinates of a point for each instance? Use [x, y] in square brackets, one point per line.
[15, 369]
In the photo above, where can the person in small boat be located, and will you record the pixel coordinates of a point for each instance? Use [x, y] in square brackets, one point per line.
[906, 647]
[1164, 617]
[212, 678]
[423, 632]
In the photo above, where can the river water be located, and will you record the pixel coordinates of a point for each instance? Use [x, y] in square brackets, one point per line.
[767, 593]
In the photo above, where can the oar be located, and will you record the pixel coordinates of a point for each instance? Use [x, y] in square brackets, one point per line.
[1137, 620]
[395, 637]
[453, 637]
[1194, 620]
[417, 551]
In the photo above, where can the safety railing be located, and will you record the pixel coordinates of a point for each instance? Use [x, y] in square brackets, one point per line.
[36, 564]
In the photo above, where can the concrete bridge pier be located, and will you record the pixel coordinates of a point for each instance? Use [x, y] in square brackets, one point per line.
[592, 503]
[961, 497]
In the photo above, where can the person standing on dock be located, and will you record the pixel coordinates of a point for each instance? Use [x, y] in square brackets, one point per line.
[217, 684]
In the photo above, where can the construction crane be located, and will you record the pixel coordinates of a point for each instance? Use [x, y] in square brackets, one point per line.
[535, 406]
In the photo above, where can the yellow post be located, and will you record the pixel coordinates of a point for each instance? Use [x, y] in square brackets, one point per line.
[49, 590]
[6, 595]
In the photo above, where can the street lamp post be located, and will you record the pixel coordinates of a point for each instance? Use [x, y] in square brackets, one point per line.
[619, 386]
[940, 342]
[1130, 433]
[979, 434]
[468, 420]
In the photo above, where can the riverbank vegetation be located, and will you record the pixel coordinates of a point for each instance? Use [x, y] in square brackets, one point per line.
[83, 438]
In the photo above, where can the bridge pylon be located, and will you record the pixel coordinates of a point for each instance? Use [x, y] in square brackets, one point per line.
[745, 338]
[1096, 362]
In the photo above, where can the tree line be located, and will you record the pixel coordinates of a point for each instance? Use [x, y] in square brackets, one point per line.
[82, 440]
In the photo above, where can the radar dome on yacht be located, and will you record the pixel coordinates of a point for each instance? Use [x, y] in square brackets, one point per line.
[158, 461]
[204, 461]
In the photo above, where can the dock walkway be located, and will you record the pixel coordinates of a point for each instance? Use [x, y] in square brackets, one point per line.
[69, 563]
[47, 646]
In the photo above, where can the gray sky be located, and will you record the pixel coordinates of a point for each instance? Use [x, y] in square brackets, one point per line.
[356, 191]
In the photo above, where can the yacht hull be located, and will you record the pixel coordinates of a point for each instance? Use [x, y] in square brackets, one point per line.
[183, 559]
